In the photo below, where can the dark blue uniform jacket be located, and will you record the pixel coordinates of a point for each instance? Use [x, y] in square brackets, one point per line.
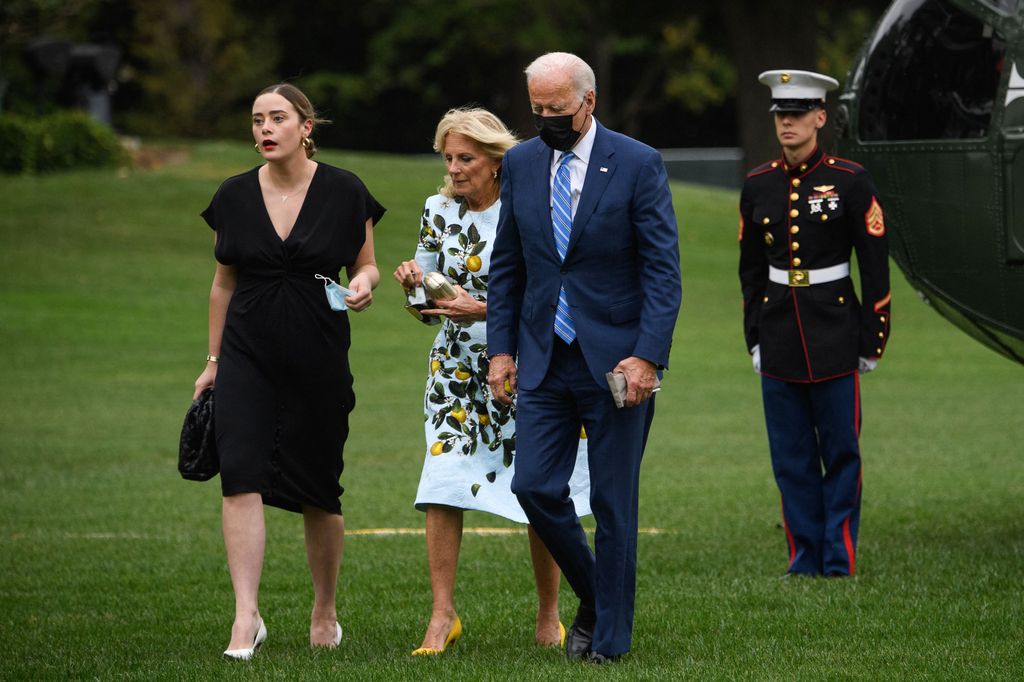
[812, 216]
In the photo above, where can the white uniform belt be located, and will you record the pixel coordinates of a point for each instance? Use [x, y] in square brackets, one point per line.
[804, 278]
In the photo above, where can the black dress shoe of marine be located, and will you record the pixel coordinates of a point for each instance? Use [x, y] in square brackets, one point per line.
[581, 633]
[599, 658]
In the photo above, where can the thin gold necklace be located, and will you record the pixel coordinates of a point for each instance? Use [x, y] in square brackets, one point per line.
[286, 197]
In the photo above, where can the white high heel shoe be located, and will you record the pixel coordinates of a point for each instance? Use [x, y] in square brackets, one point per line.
[337, 637]
[247, 654]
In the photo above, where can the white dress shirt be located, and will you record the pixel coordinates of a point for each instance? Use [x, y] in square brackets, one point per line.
[577, 166]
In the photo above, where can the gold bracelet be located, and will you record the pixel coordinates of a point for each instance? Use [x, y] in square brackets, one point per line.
[213, 358]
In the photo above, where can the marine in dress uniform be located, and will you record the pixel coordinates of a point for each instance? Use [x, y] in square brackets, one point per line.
[809, 335]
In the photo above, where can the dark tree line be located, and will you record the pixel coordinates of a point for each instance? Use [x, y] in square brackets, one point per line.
[671, 74]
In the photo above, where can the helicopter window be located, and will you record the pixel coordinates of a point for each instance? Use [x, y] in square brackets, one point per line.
[932, 73]
[1005, 7]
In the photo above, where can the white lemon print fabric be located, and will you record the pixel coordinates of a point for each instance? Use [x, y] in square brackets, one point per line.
[470, 438]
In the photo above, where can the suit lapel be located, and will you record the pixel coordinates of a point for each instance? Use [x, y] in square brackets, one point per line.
[599, 173]
[540, 189]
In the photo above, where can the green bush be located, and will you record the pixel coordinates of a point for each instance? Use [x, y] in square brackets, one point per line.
[18, 151]
[60, 141]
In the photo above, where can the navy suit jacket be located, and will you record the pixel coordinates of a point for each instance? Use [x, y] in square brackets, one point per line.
[621, 269]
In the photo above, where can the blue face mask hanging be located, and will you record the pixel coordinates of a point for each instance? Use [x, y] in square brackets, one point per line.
[335, 293]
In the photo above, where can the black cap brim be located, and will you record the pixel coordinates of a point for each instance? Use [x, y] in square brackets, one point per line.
[799, 105]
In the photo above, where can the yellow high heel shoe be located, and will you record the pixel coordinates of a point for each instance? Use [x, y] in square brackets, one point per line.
[449, 641]
[561, 638]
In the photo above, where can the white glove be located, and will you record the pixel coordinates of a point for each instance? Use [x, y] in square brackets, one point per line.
[755, 355]
[865, 365]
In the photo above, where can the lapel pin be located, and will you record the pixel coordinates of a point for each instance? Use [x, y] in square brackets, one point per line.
[603, 169]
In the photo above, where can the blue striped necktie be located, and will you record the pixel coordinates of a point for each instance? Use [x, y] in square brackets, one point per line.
[561, 222]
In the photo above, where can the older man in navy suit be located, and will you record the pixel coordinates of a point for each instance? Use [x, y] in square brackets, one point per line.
[584, 280]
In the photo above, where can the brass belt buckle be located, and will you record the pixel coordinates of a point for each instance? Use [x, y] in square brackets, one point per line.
[799, 278]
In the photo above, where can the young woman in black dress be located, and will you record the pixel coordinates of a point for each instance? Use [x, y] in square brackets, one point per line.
[278, 352]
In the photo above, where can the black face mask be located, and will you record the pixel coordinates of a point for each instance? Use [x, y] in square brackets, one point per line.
[557, 131]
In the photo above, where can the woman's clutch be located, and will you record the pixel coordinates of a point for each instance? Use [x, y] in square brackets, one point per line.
[415, 301]
[438, 288]
[435, 288]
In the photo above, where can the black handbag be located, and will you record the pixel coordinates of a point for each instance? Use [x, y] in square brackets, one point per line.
[197, 450]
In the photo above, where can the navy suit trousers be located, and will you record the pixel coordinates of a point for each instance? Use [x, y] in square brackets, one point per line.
[548, 424]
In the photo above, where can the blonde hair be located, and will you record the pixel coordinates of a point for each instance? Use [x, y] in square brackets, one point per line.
[303, 107]
[479, 125]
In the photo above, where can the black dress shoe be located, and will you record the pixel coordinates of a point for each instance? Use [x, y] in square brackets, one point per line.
[599, 659]
[580, 634]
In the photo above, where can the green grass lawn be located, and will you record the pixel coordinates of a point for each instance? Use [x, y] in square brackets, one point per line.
[111, 566]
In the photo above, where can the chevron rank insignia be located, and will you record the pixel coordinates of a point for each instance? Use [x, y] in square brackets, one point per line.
[874, 220]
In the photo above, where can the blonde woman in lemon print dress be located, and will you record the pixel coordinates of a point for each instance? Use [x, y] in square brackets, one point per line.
[470, 438]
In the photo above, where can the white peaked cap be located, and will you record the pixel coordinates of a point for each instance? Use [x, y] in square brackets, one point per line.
[800, 90]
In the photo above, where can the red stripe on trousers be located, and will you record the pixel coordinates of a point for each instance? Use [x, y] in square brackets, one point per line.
[789, 536]
[848, 541]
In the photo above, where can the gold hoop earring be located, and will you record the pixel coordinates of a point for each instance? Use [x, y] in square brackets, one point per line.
[307, 143]
[257, 147]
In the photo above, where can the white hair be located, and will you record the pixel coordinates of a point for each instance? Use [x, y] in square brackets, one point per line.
[554, 63]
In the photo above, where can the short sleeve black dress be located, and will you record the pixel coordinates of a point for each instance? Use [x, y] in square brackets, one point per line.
[284, 389]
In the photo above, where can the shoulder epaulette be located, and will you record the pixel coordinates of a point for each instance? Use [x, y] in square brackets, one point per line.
[842, 164]
[765, 167]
